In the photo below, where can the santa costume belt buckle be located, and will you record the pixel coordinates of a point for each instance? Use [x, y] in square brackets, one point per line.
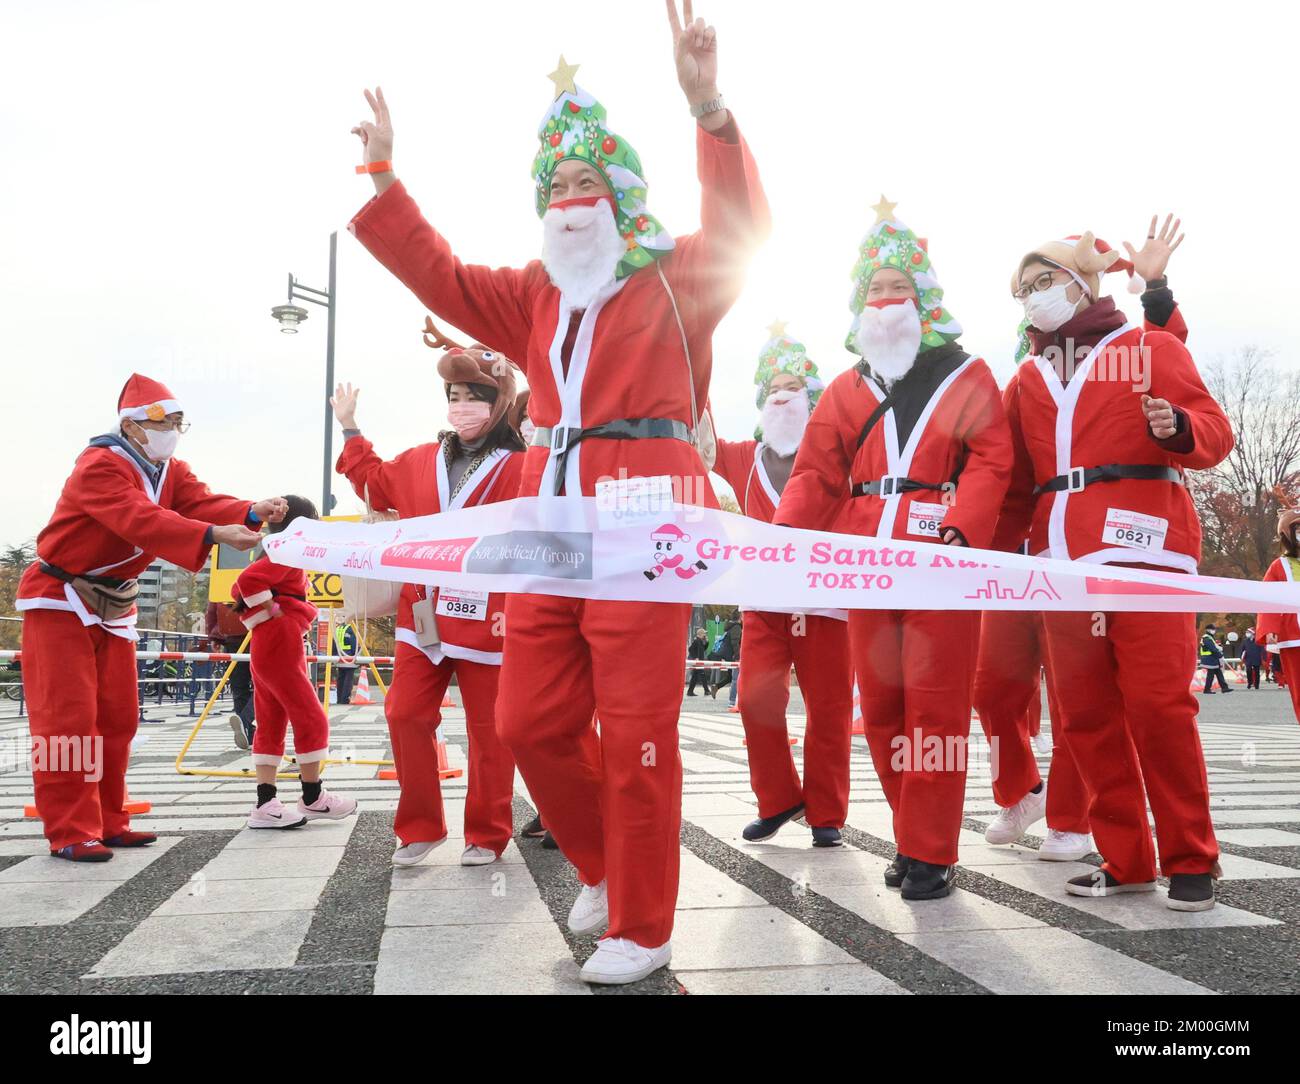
[891, 486]
[1075, 480]
[559, 440]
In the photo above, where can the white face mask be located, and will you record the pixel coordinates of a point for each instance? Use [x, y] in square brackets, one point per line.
[1049, 309]
[159, 446]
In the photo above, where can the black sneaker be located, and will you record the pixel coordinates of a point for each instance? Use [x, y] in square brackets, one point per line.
[1100, 883]
[548, 842]
[533, 829]
[1191, 892]
[827, 837]
[926, 881]
[767, 827]
[896, 871]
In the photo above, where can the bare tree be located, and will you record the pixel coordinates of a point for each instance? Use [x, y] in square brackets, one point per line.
[1238, 500]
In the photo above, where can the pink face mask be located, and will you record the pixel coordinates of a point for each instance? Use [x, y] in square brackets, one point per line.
[469, 418]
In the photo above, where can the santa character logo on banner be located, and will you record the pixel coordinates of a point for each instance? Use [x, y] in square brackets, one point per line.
[664, 538]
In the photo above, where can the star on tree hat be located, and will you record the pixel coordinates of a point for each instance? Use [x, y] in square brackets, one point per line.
[891, 244]
[143, 399]
[575, 127]
[782, 354]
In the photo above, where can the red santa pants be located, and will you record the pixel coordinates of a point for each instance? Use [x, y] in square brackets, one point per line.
[914, 671]
[1135, 670]
[613, 801]
[413, 710]
[819, 649]
[83, 708]
[1006, 697]
[1290, 669]
[283, 695]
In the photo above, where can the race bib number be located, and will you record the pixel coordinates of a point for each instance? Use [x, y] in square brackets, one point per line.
[633, 502]
[1133, 530]
[924, 519]
[462, 603]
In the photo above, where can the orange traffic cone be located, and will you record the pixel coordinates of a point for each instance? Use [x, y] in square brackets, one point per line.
[130, 805]
[447, 701]
[361, 694]
[445, 770]
[858, 726]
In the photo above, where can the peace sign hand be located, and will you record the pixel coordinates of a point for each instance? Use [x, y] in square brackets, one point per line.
[1151, 262]
[377, 135]
[695, 51]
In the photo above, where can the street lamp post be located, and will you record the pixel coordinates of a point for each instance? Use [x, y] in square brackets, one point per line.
[290, 316]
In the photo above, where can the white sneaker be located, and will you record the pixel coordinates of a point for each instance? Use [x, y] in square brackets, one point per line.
[617, 961]
[1012, 823]
[412, 854]
[477, 856]
[590, 911]
[237, 728]
[274, 814]
[1042, 744]
[1065, 846]
[328, 807]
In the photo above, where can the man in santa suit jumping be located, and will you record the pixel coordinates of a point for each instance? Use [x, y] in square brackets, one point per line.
[612, 328]
[816, 643]
[911, 443]
[126, 503]
[1013, 649]
[1106, 417]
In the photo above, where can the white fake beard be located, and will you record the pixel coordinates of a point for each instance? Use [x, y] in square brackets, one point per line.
[889, 339]
[784, 418]
[581, 250]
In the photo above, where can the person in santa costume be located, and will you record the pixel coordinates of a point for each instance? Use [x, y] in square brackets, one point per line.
[1280, 633]
[271, 601]
[612, 328]
[1106, 417]
[912, 443]
[443, 634]
[126, 503]
[816, 643]
[1013, 649]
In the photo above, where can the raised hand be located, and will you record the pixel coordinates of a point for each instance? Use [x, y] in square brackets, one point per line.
[271, 510]
[377, 135]
[344, 402]
[695, 52]
[1151, 261]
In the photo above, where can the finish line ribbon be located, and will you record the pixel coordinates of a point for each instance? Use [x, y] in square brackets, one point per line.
[580, 548]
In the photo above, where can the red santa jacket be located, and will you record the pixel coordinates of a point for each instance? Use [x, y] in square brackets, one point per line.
[113, 519]
[627, 359]
[1095, 420]
[416, 484]
[958, 436]
[1286, 627]
[739, 463]
[270, 591]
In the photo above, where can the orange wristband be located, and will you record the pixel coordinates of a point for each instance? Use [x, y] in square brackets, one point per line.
[376, 167]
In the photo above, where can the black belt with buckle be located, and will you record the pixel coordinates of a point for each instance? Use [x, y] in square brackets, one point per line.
[561, 439]
[891, 486]
[1081, 477]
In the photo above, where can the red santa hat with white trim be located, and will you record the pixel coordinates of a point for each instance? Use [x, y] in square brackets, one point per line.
[143, 399]
[669, 532]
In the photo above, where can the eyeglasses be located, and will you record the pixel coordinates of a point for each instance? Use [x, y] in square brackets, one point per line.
[1045, 281]
[166, 425]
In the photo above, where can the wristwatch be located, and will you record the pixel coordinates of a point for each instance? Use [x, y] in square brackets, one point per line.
[711, 106]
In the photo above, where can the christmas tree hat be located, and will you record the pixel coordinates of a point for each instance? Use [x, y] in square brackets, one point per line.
[575, 127]
[782, 354]
[891, 244]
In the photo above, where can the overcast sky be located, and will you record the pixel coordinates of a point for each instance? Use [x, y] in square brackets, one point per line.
[166, 164]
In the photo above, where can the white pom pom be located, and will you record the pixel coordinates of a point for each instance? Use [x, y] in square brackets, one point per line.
[1135, 284]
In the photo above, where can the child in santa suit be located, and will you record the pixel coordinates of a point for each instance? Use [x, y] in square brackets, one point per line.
[1106, 417]
[816, 643]
[1280, 633]
[443, 634]
[1013, 645]
[915, 436]
[271, 600]
[613, 329]
[126, 503]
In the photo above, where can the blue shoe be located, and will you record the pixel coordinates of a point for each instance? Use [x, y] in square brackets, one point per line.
[827, 837]
[767, 827]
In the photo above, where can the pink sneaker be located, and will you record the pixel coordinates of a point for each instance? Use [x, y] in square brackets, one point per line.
[328, 807]
[274, 814]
